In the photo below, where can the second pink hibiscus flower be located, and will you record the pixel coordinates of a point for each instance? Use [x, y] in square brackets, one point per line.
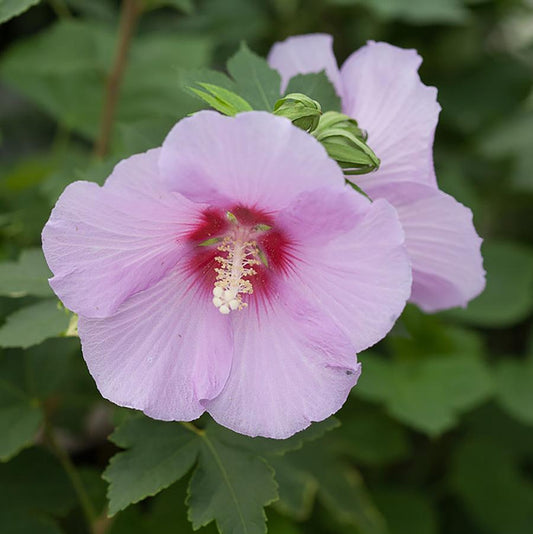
[379, 86]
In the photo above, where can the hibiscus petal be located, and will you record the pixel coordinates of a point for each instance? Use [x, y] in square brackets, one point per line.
[360, 276]
[316, 217]
[291, 366]
[165, 350]
[383, 91]
[442, 243]
[104, 244]
[252, 159]
[304, 54]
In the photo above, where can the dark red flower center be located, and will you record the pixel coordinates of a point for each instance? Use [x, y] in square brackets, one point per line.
[237, 254]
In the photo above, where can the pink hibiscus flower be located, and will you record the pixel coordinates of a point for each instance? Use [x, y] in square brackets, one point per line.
[379, 86]
[230, 271]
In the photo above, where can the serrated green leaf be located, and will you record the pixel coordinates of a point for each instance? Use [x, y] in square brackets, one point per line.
[231, 487]
[508, 297]
[318, 87]
[33, 324]
[26, 276]
[188, 78]
[252, 80]
[20, 416]
[158, 454]
[427, 394]
[256, 82]
[514, 388]
[266, 446]
[13, 8]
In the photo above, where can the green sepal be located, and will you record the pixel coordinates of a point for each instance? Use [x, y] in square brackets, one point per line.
[221, 99]
[346, 143]
[304, 112]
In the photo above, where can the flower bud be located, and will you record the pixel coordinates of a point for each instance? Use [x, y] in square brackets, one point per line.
[303, 111]
[345, 142]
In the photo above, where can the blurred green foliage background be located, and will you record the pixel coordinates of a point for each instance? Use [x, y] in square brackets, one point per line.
[437, 438]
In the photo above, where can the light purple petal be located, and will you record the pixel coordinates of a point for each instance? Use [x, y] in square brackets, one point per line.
[292, 365]
[361, 276]
[304, 54]
[104, 244]
[166, 349]
[316, 217]
[384, 93]
[442, 243]
[254, 159]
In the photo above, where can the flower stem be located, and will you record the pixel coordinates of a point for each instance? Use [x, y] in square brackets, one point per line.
[73, 475]
[129, 16]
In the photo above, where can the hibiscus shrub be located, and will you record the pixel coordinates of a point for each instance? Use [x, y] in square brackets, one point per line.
[280, 286]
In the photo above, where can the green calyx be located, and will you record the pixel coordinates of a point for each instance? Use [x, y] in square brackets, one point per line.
[303, 111]
[345, 142]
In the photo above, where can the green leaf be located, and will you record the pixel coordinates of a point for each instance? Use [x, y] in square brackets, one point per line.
[427, 394]
[266, 446]
[318, 87]
[414, 11]
[20, 415]
[427, 334]
[158, 454]
[223, 100]
[33, 324]
[231, 487]
[142, 135]
[508, 297]
[58, 77]
[26, 276]
[169, 508]
[406, 511]
[188, 78]
[371, 438]
[297, 488]
[489, 480]
[340, 488]
[13, 8]
[256, 81]
[514, 388]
